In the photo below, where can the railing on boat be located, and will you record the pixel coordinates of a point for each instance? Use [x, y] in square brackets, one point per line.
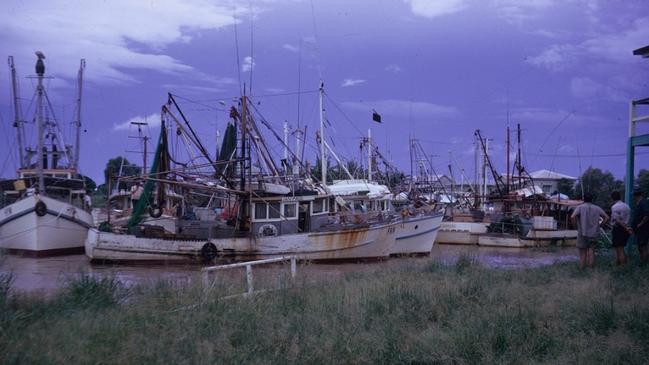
[248, 265]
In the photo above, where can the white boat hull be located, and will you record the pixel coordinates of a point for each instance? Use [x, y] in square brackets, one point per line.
[416, 235]
[62, 229]
[363, 243]
[461, 233]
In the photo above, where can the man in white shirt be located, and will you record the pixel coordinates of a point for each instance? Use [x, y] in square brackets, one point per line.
[587, 217]
[620, 217]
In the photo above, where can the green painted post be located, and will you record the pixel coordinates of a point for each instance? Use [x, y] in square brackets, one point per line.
[628, 186]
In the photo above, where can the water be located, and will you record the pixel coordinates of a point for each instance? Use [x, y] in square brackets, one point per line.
[48, 274]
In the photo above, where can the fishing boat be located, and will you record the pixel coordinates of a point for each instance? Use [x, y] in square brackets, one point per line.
[517, 214]
[255, 214]
[43, 210]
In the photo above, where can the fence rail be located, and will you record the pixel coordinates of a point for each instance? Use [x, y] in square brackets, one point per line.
[248, 265]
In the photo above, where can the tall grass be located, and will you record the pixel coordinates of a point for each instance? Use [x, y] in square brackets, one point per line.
[417, 313]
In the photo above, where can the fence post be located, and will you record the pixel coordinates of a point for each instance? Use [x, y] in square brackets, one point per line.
[249, 279]
[206, 279]
[293, 268]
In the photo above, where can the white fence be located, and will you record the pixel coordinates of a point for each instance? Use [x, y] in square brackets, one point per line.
[248, 265]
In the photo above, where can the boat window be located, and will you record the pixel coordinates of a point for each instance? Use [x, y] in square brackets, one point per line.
[318, 205]
[332, 205]
[289, 210]
[273, 210]
[260, 210]
[358, 207]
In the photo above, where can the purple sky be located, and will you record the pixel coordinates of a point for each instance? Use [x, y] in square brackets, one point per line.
[433, 69]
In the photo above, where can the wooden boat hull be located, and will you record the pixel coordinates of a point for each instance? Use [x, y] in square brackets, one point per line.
[350, 244]
[61, 230]
[416, 235]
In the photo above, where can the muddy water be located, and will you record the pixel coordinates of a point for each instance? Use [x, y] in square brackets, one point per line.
[48, 274]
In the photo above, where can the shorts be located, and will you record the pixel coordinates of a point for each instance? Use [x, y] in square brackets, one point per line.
[642, 238]
[620, 236]
[586, 242]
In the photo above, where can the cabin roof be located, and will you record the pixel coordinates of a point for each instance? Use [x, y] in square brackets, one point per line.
[550, 175]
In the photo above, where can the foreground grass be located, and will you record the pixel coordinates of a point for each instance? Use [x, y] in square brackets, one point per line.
[423, 313]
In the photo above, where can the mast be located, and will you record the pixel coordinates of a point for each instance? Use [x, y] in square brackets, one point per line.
[296, 165]
[40, 152]
[412, 171]
[82, 66]
[286, 140]
[244, 117]
[18, 122]
[369, 154]
[508, 172]
[518, 157]
[323, 156]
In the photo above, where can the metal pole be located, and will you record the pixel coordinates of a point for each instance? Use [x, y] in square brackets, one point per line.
[508, 172]
[369, 155]
[323, 156]
[293, 267]
[40, 71]
[296, 166]
[77, 143]
[286, 141]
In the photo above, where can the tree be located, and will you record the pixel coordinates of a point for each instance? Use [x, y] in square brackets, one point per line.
[566, 186]
[642, 182]
[90, 183]
[117, 164]
[601, 184]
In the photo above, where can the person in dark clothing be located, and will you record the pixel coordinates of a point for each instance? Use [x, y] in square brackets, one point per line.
[620, 216]
[641, 223]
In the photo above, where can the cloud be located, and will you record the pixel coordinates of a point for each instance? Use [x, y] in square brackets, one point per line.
[609, 46]
[290, 48]
[113, 36]
[586, 88]
[517, 12]
[403, 108]
[431, 9]
[394, 68]
[352, 82]
[248, 64]
[153, 121]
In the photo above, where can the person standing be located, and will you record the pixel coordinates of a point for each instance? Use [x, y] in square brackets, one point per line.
[620, 216]
[641, 224]
[587, 217]
[136, 193]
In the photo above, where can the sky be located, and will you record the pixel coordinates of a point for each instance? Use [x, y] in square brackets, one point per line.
[435, 71]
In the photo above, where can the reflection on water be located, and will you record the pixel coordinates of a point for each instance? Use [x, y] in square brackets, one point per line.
[50, 273]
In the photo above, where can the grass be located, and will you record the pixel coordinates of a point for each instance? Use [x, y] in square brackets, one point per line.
[425, 312]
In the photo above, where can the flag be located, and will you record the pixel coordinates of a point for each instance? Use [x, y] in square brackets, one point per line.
[376, 116]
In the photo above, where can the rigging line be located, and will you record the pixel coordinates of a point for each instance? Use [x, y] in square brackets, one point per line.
[604, 155]
[236, 42]
[554, 157]
[555, 128]
[343, 113]
[317, 40]
[198, 103]
[286, 93]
